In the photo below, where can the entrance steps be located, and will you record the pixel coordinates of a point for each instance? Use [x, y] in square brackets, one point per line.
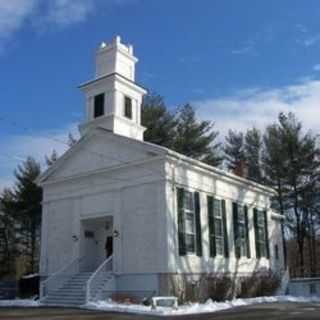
[68, 288]
[72, 293]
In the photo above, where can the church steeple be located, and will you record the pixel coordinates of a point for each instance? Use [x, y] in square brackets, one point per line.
[113, 99]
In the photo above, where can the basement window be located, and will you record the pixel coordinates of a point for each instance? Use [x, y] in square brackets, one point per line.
[99, 105]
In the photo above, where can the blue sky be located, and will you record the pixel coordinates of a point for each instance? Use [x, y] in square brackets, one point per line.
[238, 62]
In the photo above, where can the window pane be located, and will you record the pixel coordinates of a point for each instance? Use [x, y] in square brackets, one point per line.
[260, 218]
[241, 217]
[190, 243]
[261, 234]
[262, 246]
[190, 225]
[99, 105]
[243, 248]
[220, 245]
[188, 201]
[218, 228]
[217, 208]
[128, 107]
[242, 231]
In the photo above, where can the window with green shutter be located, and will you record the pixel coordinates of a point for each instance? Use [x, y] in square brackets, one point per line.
[218, 237]
[241, 231]
[261, 233]
[189, 222]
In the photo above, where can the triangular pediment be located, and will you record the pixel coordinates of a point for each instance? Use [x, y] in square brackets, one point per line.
[100, 150]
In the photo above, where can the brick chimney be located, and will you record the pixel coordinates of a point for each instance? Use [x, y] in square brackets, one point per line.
[241, 169]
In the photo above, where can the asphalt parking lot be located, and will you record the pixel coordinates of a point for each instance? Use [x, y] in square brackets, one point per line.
[278, 311]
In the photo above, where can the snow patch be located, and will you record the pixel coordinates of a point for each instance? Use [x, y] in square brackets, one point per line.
[29, 276]
[20, 303]
[195, 308]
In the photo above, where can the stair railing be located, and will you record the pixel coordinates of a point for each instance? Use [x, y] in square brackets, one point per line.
[59, 278]
[94, 282]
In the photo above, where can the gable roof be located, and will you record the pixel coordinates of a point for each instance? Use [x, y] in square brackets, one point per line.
[155, 150]
[148, 147]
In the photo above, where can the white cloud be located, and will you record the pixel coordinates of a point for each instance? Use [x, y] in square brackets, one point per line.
[16, 148]
[67, 12]
[248, 47]
[302, 28]
[244, 50]
[16, 14]
[316, 67]
[310, 40]
[260, 107]
[13, 14]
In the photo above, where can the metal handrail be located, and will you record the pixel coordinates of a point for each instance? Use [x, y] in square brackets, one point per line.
[93, 281]
[62, 273]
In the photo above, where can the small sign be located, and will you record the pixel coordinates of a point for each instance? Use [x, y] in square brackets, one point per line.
[89, 234]
[164, 302]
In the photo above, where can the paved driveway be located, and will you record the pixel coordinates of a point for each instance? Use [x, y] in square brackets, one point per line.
[283, 311]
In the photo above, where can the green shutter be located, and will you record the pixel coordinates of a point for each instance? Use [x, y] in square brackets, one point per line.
[225, 231]
[267, 234]
[212, 239]
[198, 223]
[236, 229]
[181, 225]
[247, 231]
[255, 219]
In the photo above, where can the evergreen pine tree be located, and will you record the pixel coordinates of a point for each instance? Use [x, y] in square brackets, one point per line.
[291, 165]
[158, 120]
[25, 203]
[234, 150]
[50, 160]
[8, 250]
[274, 162]
[253, 148]
[195, 138]
[71, 140]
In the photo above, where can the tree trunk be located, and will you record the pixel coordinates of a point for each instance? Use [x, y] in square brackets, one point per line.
[33, 244]
[313, 253]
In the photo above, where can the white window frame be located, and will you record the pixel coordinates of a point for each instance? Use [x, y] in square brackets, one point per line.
[242, 224]
[125, 96]
[261, 225]
[189, 211]
[220, 219]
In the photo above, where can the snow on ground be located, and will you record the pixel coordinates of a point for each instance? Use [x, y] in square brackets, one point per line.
[194, 308]
[20, 303]
[29, 276]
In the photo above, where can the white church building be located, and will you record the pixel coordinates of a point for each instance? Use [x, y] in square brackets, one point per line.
[124, 216]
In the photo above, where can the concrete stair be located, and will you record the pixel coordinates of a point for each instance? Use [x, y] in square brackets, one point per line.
[105, 287]
[73, 292]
